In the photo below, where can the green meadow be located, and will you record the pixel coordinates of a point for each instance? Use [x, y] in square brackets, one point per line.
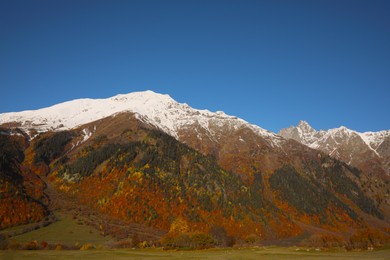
[65, 231]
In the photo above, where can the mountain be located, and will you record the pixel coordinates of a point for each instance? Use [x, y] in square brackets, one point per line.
[203, 130]
[143, 158]
[153, 108]
[368, 151]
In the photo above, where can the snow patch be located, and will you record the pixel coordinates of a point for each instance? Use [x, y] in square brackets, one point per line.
[87, 134]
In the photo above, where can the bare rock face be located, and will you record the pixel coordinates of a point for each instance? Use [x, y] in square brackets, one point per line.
[303, 133]
[238, 148]
[368, 151]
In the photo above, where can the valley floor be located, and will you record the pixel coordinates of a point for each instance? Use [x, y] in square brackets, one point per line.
[65, 231]
[245, 253]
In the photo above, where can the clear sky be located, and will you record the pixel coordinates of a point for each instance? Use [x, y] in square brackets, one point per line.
[271, 63]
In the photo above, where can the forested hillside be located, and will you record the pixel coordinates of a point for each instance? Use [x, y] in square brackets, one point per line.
[121, 172]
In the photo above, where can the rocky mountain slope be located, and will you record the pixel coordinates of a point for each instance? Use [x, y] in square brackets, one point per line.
[368, 151]
[145, 158]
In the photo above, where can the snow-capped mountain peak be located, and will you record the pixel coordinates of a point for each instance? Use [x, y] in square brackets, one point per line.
[307, 135]
[153, 108]
[359, 149]
[77, 112]
[302, 133]
[305, 127]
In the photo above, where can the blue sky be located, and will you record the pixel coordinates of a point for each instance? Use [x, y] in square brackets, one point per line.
[271, 63]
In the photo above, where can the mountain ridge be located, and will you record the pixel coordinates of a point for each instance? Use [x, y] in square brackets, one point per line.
[371, 138]
[342, 143]
[157, 109]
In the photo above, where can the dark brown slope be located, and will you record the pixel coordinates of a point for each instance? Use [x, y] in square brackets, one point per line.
[21, 191]
[245, 152]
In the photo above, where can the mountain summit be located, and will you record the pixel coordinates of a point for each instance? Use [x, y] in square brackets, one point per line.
[369, 151]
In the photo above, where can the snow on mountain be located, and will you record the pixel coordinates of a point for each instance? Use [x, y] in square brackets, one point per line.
[153, 108]
[362, 150]
[375, 139]
[305, 134]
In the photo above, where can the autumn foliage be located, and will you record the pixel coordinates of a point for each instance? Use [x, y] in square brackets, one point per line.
[146, 177]
[19, 188]
[157, 181]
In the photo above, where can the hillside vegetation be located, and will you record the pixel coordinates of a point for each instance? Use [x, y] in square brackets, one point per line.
[142, 187]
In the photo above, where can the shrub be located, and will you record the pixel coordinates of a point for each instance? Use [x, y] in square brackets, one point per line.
[33, 245]
[201, 240]
[87, 246]
[168, 242]
[251, 239]
[143, 244]
[44, 244]
[182, 240]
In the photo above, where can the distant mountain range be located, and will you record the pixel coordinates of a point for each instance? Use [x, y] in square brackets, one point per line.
[369, 151]
[145, 158]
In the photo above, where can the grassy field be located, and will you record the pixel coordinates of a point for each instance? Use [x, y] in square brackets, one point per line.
[66, 231]
[71, 232]
[247, 253]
